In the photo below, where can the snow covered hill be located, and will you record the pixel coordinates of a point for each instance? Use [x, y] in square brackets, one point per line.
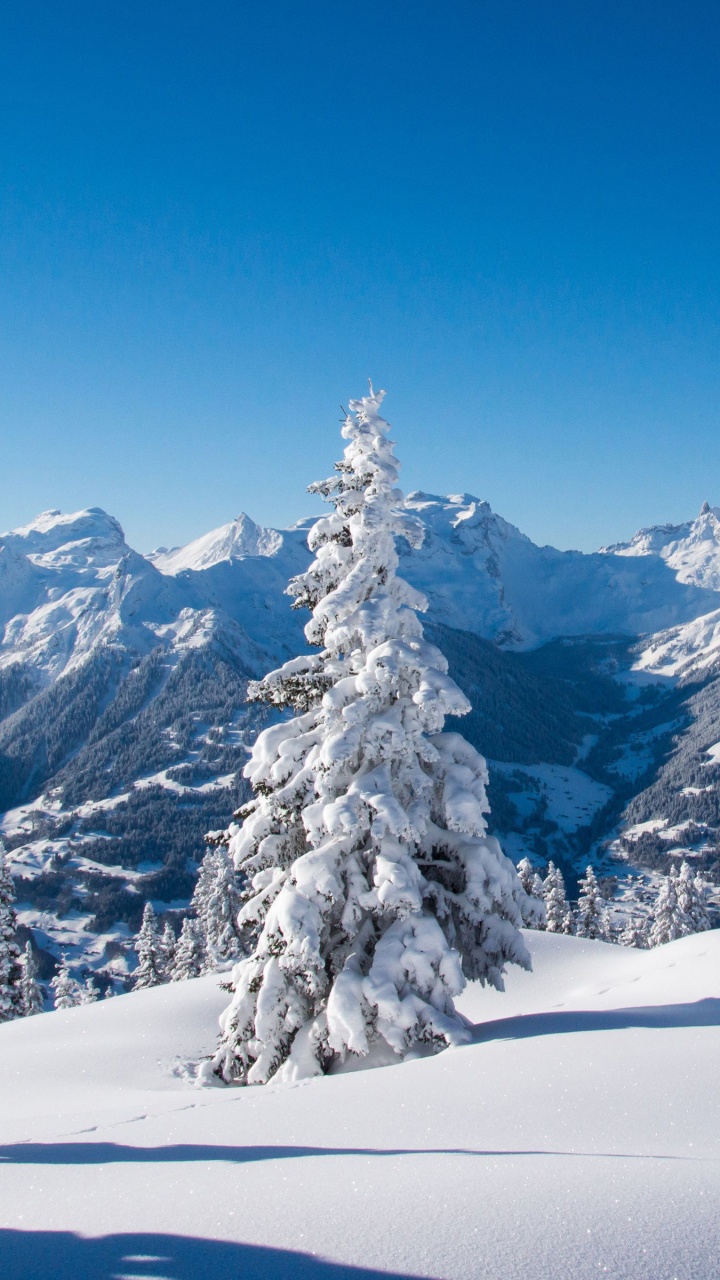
[578, 1136]
[123, 721]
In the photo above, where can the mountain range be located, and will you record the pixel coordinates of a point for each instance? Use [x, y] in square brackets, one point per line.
[123, 720]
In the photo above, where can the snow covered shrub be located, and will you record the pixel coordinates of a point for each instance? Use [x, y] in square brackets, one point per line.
[373, 891]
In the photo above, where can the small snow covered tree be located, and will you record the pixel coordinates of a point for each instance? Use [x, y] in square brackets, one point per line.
[168, 943]
[148, 947]
[31, 1000]
[591, 917]
[634, 934]
[189, 959]
[67, 991]
[373, 891]
[89, 993]
[692, 896]
[558, 916]
[10, 967]
[221, 909]
[205, 881]
[680, 907]
[534, 911]
[668, 922]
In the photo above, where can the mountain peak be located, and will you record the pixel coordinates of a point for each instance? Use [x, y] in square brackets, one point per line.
[78, 537]
[233, 541]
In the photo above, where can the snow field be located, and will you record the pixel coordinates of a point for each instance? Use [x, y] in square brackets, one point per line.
[579, 1136]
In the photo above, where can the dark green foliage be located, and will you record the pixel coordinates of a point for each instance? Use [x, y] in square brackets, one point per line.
[40, 738]
[519, 715]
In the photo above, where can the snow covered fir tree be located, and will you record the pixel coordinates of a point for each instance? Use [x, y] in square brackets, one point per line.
[31, 1000]
[150, 950]
[373, 889]
[591, 917]
[11, 973]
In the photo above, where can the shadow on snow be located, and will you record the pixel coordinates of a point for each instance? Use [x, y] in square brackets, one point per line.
[700, 1013]
[25, 1255]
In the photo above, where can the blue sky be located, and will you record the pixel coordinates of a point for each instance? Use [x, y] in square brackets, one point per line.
[218, 219]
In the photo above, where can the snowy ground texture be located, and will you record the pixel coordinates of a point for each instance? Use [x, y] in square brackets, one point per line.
[579, 1136]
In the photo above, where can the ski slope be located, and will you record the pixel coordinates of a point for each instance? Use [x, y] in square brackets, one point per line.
[579, 1136]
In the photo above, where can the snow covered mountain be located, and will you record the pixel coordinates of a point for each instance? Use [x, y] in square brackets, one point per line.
[691, 550]
[482, 574]
[123, 722]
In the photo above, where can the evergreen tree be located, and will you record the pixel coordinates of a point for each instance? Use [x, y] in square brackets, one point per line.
[66, 990]
[692, 899]
[204, 886]
[373, 891]
[558, 917]
[31, 1000]
[89, 992]
[10, 966]
[591, 917]
[668, 922]
[167, 950]
[148, 947]
[221, 910]
[634, 934]
[189, 953]
[534, 911]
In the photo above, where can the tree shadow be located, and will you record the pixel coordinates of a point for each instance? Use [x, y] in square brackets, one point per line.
[63, 1255]
[700, 1013]
[81, 1153]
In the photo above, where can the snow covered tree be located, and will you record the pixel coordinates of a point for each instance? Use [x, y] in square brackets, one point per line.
[148, 947]
[692, 899]
[591, 917]
[531, 881]
[373, 891]
[558, 916]
[667, 920]
[680, 907]
[220, 909]
[204, 882]
[189, 959]
[67, 991]
[10, 967]
[31, 1000]
[634, 934]
[168, 943]
[89, 992]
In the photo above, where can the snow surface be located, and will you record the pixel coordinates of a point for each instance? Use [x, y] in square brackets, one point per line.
[683, 651]
[579, 1136]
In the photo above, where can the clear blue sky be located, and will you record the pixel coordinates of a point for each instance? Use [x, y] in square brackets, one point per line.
[219, 218]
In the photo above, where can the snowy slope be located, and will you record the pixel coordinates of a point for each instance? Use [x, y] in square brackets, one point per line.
[579, 1136]
[482, 574]
[691, 550]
